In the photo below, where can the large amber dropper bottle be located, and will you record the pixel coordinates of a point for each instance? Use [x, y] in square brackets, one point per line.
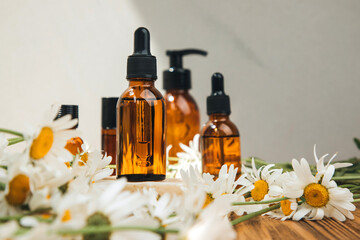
[182, 112]
[141, 154]
[220, 139]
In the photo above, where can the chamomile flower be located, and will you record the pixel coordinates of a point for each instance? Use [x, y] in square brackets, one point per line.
[287, 210]
[17, 186]
[212, 223]
[320, 166]
[321, 196]
[113, 207]
[161, 208]
[94, 163]
[49, 139]
[191, 154]
[264, 181]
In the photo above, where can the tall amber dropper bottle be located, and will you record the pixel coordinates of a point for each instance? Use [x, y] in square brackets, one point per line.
[108, 127]
[182, 112]
[220, 139]
[141, 118]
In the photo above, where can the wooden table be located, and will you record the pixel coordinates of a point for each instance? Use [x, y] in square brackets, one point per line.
[263, 228]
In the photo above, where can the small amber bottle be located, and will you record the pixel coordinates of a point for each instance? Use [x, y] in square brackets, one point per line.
[108, 128]
[220, 139]
[73, 145]
[141, 118]
[182, 112]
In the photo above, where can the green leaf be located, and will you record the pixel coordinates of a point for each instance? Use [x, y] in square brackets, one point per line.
[357, 142]
[2, 186]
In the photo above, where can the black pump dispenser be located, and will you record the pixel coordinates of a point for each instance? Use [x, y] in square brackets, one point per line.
[141, 64]
[218, 101]
[176, 77]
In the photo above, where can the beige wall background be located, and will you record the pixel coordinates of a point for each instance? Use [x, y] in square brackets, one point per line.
[291, 67]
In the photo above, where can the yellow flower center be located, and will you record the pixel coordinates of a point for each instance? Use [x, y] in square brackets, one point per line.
[42, 144]
[316, 195]
[260, 190]
[84, 158]
[208, 200]
[46, 216]
[19, 188]
[68, 164]
[285, 207]
[67, 216]
[73, 145]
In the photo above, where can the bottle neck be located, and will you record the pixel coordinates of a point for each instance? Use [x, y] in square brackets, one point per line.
[218, 117]
[142, 82]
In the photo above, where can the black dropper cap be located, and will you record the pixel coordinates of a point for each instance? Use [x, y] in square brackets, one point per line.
[73, 110]
[218, 101]
[176, 77]
[108, 112]
[141, 64]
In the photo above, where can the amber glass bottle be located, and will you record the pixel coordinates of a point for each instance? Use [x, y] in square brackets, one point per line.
[182, 113]
[220, 139]
[73, 145]
[141, 118]
[108, 128]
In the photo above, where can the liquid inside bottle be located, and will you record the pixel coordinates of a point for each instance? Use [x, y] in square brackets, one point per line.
[183, 120]
[141, 139]
[108, 144]
[220, 150]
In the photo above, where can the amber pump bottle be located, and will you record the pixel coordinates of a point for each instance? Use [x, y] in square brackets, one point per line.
[73, 145]
[182, 113]
[141, 118]
[220, 139]
[108, 127]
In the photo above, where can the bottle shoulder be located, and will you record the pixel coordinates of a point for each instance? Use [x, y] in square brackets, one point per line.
[141, 92]
[180, 101]
[219, 128]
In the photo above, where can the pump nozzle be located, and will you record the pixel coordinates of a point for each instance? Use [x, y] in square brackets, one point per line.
[176, 77]
[176, 56]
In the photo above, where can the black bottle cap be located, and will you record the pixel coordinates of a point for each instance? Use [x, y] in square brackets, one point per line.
[141, 64]
[218, 101]
[73, 110]
[108, 112]
[176, 77]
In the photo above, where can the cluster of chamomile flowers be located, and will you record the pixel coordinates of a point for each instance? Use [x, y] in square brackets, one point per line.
[57, 192]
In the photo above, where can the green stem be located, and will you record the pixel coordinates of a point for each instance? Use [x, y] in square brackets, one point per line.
[346, 178]
[104, 229]
[113, 166]
[11, 132]
[260, 202]
[18, 217]
[254, 214]
[356, 196]
[347, 185]
[356, 200]
[13, 141]
[354, 188]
